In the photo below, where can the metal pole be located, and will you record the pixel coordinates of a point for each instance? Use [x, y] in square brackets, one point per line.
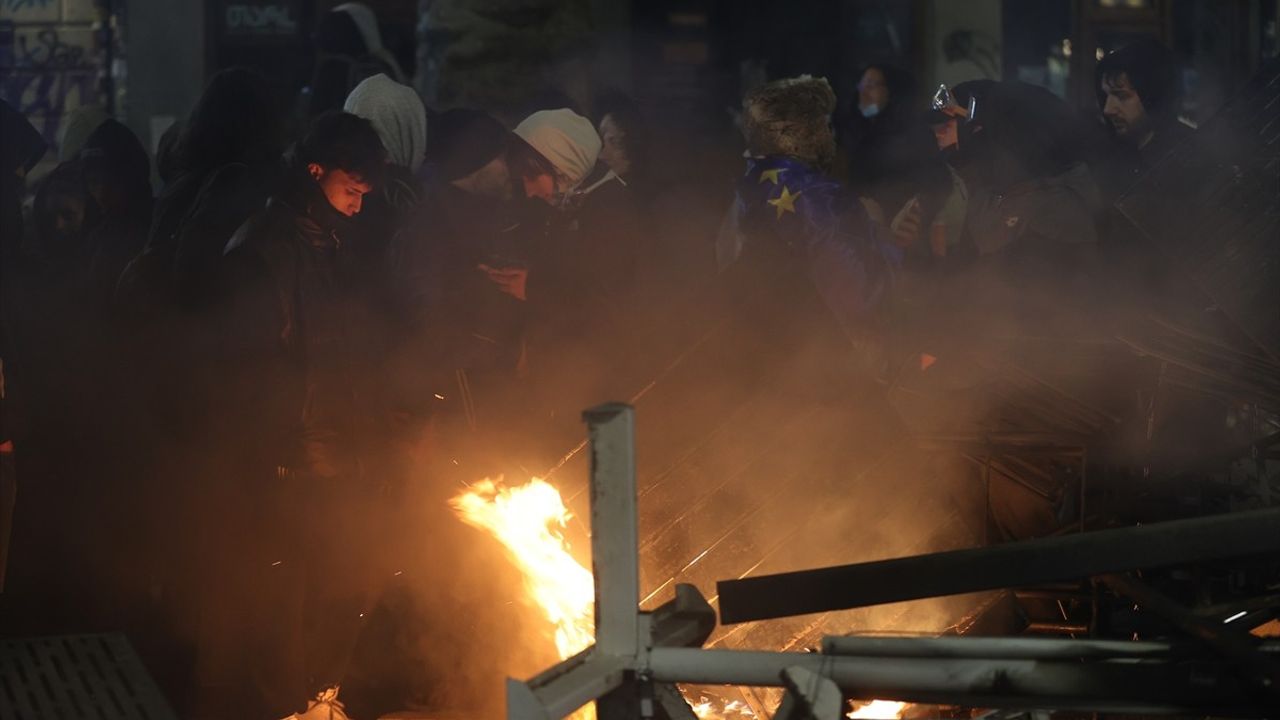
[614, 537]
[1006, 648]
[1069, 685]
[1020, 564]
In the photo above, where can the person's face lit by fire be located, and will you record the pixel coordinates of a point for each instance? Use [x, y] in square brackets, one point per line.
[614, 150]
[1123, 109]
[344, 191]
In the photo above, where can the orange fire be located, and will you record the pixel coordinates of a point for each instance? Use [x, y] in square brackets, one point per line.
[529, 521]
[878, 710]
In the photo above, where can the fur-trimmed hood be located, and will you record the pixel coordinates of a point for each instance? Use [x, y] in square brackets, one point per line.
[791, 117]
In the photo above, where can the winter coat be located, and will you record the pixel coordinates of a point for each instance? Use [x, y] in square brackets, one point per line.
[1120, 165]
[1033, 252]
[292, 335]
[233, 135]
[584, 280]
[809, 253]
[114, 157]
[229, 197]
[454, 316]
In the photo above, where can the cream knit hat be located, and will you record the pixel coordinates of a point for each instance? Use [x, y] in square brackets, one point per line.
[565, 138]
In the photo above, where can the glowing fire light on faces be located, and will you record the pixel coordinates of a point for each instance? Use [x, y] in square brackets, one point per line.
[529, 521]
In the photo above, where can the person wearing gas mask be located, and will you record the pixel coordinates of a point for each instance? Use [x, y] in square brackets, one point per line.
[892, 159]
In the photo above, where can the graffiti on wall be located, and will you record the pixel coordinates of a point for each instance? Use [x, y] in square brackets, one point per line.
[18, 6]
[47, 71]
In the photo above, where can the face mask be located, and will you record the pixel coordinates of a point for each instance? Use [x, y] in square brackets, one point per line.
[870, 111]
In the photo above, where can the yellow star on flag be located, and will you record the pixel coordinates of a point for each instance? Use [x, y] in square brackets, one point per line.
[786, 202]
[772, 175]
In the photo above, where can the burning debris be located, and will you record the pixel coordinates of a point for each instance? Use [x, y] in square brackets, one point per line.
[877, 710]
[529, 521]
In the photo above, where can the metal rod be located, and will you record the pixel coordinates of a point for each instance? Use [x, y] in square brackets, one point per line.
[614, 554]
[1105, 686]
[1011, 565]
[992, 648]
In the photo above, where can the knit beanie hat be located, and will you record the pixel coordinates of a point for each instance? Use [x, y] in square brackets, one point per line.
[565, 138]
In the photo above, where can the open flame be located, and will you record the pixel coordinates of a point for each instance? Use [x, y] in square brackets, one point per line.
[878, 710]
[529, 520]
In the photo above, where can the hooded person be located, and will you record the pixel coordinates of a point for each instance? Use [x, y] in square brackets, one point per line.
[809, 267]
[400, 119]
[397, 113]
[1025, 171]
[584, 278]
[224, 162]
[455, 316]
[1028, 256]
[348, 49]
[569, 142]
[582, 284]
[117, 172]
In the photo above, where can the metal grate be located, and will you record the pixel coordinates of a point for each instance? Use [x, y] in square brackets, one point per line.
[77, 677]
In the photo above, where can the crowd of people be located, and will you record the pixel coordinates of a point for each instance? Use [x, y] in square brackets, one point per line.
[245, 363]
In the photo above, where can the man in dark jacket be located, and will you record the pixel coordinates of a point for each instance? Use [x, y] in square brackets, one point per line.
[1138, 92]
[453, 267]
[289, 258]
[305, 393]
